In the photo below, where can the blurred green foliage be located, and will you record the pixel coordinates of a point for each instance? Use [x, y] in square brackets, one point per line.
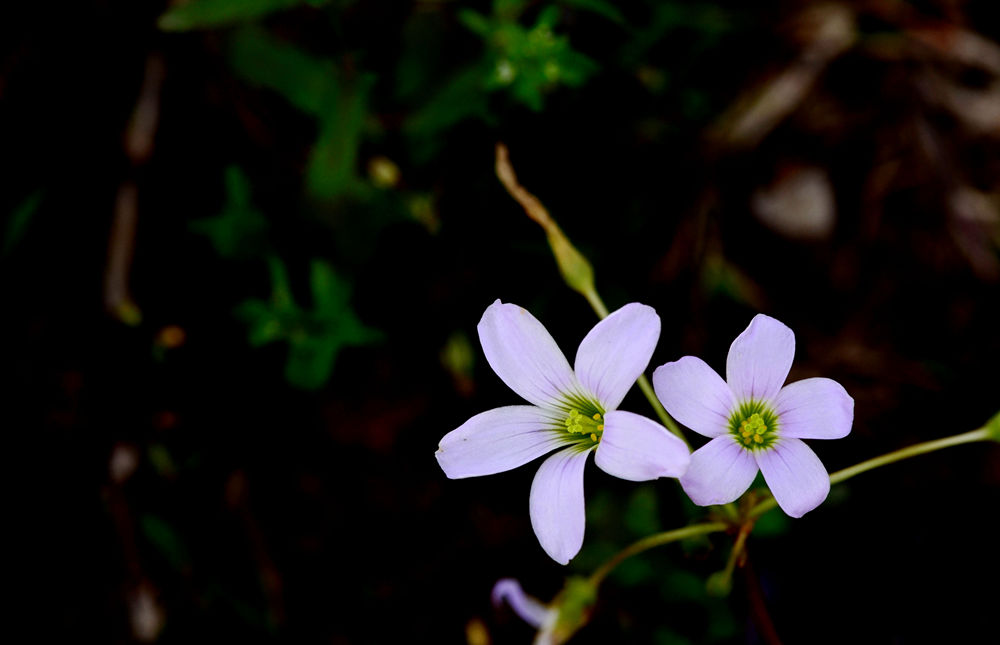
[18, 222]
[528, 62]
[315, 336]
[265, 61]
[525, 55]
[206, 14]
[522, 56]
[166, 541]
[238, 232]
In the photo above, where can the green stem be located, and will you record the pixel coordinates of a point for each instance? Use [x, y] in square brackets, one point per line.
[721, 583]
[602, 312]
[909, 451]
[655, 540]
[596, 303]
[661, 412]
[982, 434]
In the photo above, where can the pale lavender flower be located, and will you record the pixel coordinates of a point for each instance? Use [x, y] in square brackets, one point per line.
[572, 409]
[530, 609]
[755, 423]
[557, 621]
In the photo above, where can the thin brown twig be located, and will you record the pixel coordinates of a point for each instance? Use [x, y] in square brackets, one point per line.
[531, 204]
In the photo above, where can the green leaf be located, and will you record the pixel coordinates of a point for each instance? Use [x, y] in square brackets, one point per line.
[330, 292]
[461, 97]
[316, 336]
[239, 230]
[773, 523]
[332, 168]
[509, 9]
[281, 289]
[18, 222]
[310, 361]
[528, 62]
[163, 537]
[206, 14]
[332, 311]
[476, 22]
[600, 7]
[642, 512]
[308, 83]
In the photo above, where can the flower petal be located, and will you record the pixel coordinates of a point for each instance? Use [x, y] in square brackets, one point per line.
[814, 408]
[616, 352]
[795, 475]
[759, 359]
[720, 471]
[524, 355]
[497, 440]
[639, 449]
[528, 608]
[556, 503]
[694, 394]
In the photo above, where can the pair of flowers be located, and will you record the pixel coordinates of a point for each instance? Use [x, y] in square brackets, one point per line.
[752, 421]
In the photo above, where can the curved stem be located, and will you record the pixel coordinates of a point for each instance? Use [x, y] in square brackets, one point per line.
[661, 412]
[655, 540]
[982, 434]
[723, 581]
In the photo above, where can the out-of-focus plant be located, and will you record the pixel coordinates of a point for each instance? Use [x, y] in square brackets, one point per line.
[315, 336]
[238, 231]
[17, 224]
[205, 14]
[528, 61]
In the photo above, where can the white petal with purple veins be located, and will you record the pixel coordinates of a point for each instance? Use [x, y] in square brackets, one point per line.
[720, 471]
[639, 449]
[795, 475]
[759, 359]
[498, 440]
[524, 355]
[556, 503]
[528, 608]
[694, 394]
[814, 408]
[616, 351]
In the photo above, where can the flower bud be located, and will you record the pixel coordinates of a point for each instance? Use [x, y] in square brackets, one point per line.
[993, 427]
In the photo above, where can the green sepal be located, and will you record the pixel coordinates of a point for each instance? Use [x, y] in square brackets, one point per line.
[573, 266]
[993, 427]
[575, 603]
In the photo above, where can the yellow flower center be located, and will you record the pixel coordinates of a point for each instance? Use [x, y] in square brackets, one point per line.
[581, 424]
[754, 425]
[752, 430]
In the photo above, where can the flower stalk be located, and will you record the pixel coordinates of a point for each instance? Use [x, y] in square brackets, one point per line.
[742, 526]
[655, 540]
[573, 265]
[982, 434]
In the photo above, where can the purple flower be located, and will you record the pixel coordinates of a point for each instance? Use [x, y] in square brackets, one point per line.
[556, 622]
[528, 608]
[572, 409]
[753, 422]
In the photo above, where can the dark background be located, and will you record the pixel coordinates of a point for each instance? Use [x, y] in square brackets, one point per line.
[179, 479]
